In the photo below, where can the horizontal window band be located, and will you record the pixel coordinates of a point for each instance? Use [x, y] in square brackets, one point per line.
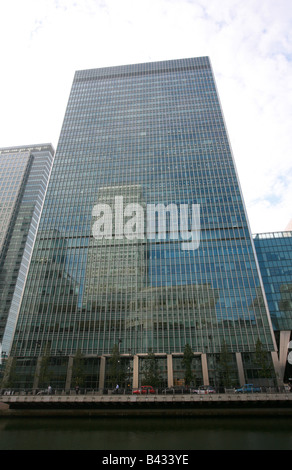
[141, 73]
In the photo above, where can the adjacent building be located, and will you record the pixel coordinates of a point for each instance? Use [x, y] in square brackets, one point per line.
[24, 176]
[274, 252]
[143, 243]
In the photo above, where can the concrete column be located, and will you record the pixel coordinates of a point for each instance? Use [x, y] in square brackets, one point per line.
[37, 373]
[136, 371]
[283, 352]
[205, 369]
[277, 368]
[169, 370]
[240, 368]
[102, 372]
[69, 373]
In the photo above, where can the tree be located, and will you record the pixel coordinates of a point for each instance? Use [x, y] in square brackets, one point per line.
[151, 370]
[45, 374]
[78, 374]
[187, 364]
[261, 360]
[116, 372]
[9, 376]
[225, 365]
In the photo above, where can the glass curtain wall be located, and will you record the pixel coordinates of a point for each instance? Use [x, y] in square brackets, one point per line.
[143, 134]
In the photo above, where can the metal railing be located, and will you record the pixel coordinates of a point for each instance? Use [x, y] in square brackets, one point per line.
[121, 391]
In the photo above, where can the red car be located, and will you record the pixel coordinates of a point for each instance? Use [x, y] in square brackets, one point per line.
[144, 389]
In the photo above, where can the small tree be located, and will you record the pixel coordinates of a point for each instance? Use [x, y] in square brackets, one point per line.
[261, 361]
[9, 375]
[116, 372]
[187, 365]
[225, 365]
[151, 370]
[78, 370]
[45, 374]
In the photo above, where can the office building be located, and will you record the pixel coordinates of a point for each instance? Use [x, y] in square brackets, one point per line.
[274, 252]
[144, 245]
[24, 175]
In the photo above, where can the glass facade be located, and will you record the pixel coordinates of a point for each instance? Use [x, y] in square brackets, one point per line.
[274, 252]
[24, 175]
[135, 136]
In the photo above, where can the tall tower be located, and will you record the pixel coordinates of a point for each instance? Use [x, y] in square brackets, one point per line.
[274, 253]
[154, 134]
[24, 175]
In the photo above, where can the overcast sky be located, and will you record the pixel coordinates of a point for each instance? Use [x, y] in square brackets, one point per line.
[249, 43]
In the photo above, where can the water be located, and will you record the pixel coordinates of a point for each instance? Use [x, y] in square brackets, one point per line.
[107, 434]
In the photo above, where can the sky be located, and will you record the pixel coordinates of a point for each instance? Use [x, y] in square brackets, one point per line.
[43, 43]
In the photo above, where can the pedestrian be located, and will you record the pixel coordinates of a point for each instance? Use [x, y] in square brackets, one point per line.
[77, 389]
[49, 390]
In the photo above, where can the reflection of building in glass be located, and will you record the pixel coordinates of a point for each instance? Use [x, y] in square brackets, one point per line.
[50, 268]
[156, 314]
[156, 133]
[274, 252]
[116, 265]
[24, 174]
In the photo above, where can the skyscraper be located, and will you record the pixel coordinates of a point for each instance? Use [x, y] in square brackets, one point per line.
[24, 175]
[144, 242]
[274, 252]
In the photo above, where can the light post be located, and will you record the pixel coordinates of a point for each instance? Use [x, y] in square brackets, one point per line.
[119, 363]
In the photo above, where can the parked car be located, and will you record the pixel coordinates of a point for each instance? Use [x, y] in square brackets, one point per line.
[144, 389]
[204, 390]
[248, 388]
[167, 390]
[175, 390]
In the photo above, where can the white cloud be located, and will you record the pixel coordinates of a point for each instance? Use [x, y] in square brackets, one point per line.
[43, 42]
